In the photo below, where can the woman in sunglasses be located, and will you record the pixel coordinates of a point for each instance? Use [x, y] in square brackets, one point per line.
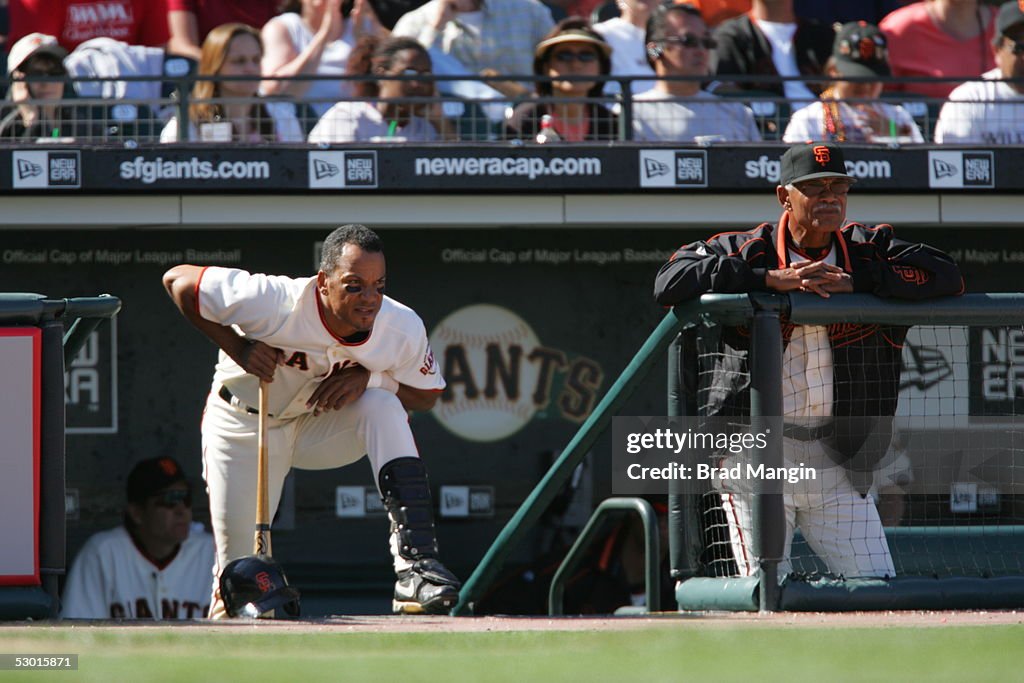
[35, 109]
[572, 49]
[849, 111]
[402, 110]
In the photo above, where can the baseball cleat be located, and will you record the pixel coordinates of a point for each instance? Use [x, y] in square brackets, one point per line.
[425, 588]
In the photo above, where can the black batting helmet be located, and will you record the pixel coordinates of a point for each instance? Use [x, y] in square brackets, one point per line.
[251, 586]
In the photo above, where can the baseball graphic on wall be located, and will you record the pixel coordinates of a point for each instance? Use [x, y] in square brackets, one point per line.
[484, 351]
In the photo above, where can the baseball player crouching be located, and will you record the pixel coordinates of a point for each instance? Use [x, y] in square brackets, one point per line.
[344, 363]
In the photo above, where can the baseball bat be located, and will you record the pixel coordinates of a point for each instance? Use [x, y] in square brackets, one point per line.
[261, 541]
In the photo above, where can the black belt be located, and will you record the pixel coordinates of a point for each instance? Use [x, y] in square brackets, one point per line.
[801, 433]
[231, 400]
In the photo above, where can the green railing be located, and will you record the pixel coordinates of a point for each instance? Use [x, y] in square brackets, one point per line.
[762, 312]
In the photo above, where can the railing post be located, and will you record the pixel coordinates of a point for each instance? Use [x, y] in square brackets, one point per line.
[769, 512]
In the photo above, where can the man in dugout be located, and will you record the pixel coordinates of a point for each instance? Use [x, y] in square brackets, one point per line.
[840, 381]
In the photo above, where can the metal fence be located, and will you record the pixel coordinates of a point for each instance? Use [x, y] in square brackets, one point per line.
[468, 108]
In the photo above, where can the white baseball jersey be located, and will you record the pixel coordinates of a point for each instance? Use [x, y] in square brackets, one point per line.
[986, 112]
[112, 579]
[286, 313]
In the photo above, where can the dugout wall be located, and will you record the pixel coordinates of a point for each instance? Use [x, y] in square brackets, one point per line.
[457, 256]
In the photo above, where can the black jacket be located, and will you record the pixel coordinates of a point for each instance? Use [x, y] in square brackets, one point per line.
[866, 358]
[743, 49]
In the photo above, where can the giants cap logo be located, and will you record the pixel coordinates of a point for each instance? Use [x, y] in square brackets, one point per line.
[866, 47]
[263, 582]
[912, 275]
[822, 155]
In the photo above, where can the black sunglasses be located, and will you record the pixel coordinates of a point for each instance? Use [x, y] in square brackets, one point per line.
[813, 188]
[169, 499]
[568, 57]
[1017, 47]
[692, 40]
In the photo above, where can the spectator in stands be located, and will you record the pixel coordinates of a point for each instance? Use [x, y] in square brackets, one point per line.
[34, 109]
[313, 37]
[991, 112]
[678, 43]
[717, 11]
[831, 12]
[136, 22]
[849, 111]
[190, 21]
[939, 38]
[572, 48]
[625, 35]
[487, 37]
[228, 109]
[394, 116]
[771, 40]
[153, 566]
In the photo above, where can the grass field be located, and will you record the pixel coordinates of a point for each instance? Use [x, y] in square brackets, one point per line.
[673, 652]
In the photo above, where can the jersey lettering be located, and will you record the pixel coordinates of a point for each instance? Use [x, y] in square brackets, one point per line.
[298, 360]
[169, 608]
[142, 610]
[429, 366]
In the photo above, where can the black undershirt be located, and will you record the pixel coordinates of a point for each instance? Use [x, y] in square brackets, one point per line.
[356, 338]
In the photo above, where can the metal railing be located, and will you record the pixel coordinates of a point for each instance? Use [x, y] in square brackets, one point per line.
[469, 109]
[730, 309]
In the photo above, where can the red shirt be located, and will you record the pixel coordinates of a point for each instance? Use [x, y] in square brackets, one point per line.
[213, 13]
[136, 22]
[919, 47]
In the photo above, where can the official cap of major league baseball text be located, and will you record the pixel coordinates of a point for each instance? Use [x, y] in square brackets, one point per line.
[31, 45]
[811, 160]
[151, 476]
[860, 49]
[1011, 14]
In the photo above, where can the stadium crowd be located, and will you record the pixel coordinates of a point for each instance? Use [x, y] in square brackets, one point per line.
[333, 71]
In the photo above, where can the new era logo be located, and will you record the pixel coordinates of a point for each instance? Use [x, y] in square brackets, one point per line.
[961, 170]
[40, 169]
[654, 168]
[944, 169]
[673, 168]
[26, 169]
[323, 169]
[342, 170]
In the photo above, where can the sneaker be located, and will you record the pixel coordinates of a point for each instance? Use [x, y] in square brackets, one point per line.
[425, 588]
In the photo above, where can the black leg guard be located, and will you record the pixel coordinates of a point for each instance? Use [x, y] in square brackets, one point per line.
[427, 587]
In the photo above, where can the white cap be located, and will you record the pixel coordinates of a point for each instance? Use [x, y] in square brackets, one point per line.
[33, 44]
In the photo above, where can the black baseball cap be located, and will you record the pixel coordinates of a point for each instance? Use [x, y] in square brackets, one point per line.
[152, 476]
[860, 49]
[1011, 14]
[811, 160]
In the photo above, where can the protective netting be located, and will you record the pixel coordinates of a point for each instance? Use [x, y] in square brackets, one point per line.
[915, 444]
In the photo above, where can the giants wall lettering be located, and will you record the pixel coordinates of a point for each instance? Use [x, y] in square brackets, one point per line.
[500, 376]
